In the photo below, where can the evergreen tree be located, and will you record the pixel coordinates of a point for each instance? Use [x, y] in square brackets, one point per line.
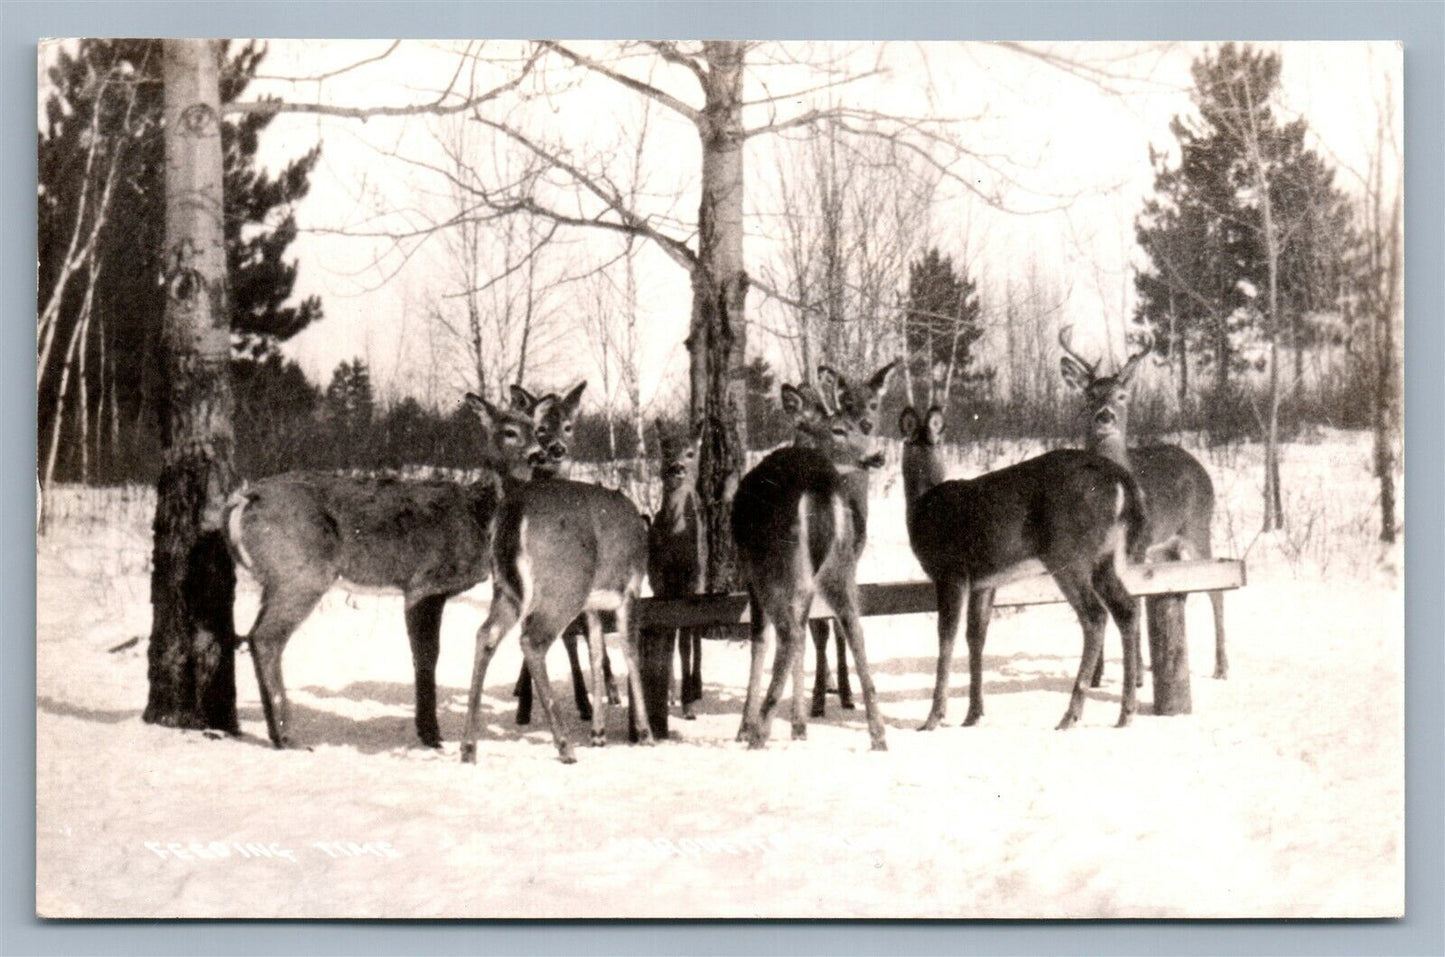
[1204, 231]
[102, 123]
[941, 325]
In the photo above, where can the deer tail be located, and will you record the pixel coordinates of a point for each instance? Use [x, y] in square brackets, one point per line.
[232, 513]
[1136, 519]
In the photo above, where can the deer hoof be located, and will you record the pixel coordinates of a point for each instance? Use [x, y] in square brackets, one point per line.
[847, 704]
[930, 724]
[1221, 673]
[1124, 720]
[564, 751]
[613, 697]
[800, 732]
[817, 711]
[646, 739]
[1069, 721]
[469, 754]
[879, 745]
[689, 713]
[599, 739]
[972, 720]
[524, 718]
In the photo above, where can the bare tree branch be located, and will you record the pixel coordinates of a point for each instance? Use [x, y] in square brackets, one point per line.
[333, 73]
[637, 86]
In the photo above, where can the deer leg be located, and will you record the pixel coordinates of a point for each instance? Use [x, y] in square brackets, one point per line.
[800, 709]
[980, 612]
[689, 650]
[758, 647]
[1125, 609]
[613, 697]
[819, 629]
[1092, 616]
[501, 622]
[1221, 660]
[579, 683]
[281, 613]
[523, 693]
[845, 687]
[789, 643]
[627, 627]
[844, 600]
[952, 593]
[597, 651]
[423, 627]
[535, 639]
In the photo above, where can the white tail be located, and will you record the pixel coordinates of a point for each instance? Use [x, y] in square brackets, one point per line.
[1062, 510]
[301, 532]
[1176, 486]
[796, 533]
[562, 549]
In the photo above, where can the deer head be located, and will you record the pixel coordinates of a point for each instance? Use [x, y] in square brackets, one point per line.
[1106, 398]
[553, 423]
[679, 451]
[816, 425]
[861, 401]
[512, 446]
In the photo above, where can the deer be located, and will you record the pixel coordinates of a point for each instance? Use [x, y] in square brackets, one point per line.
[859, 402]
[300, 533]
[1176, 486]
[676, 563]
[562, 549]
[796, 529]
[554, 433]
[1076, 514]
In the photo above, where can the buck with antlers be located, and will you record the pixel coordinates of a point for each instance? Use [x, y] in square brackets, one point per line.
[859, 402]
[302, 532]
[1178, 493]
[554, 433]
[796, 529]
[1072, 513]
[562, 549]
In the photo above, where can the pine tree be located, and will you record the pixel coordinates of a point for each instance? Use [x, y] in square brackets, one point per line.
[941, 325]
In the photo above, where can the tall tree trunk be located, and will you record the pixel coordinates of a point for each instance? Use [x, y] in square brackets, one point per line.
[719, 288]
[192, 641]
[1388, 387]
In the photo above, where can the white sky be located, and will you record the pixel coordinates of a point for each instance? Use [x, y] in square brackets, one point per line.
[1068, 135]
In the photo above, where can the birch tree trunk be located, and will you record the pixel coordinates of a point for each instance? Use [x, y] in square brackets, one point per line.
[192, 642]
[719, 287]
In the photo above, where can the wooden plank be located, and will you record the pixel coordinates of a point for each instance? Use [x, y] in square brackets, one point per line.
[917, 597]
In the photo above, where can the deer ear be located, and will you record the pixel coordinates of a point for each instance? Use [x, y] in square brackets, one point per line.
[573, 399]
[934, 423]
[1126, 374]
[908, 422]
[879, 383]
[792, 399]
[1074, 373]
[522, 400]
[488, 413]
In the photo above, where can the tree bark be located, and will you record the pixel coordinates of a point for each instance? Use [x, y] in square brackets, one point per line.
[192, 642]
[718, 337]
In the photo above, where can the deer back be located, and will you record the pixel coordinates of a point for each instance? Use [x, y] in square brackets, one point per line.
[1060, 508]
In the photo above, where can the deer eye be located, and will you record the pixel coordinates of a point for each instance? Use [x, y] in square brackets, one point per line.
[567, 429]
[512, 434]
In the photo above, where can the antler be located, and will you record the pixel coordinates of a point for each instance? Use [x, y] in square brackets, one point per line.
[1065, 334]
[1146, 348]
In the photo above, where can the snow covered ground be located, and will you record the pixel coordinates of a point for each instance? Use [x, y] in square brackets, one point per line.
[1282, 795]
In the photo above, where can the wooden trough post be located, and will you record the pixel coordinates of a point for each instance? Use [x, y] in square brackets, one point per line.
[1169, 654]
[655, 649]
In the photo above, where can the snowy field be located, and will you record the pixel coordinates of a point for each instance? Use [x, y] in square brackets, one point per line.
[1282, 795]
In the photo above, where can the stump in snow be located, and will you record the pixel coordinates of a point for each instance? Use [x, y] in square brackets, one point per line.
[1169, 654]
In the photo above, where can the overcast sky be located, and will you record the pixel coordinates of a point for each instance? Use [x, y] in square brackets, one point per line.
[1061, 135]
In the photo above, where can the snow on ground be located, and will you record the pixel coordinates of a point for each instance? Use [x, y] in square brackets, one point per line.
[1282, 794]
